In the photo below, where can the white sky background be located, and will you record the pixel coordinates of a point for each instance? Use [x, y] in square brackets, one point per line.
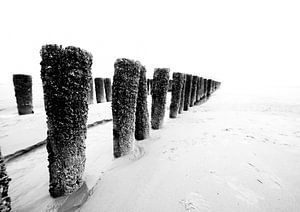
[237, 42]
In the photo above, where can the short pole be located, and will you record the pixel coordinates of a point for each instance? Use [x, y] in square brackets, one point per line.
[159, 96]
[124, 99]
[23, 93]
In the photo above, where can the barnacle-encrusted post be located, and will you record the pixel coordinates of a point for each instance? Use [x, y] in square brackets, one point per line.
[182, 95]
[142, 115]
[208, 93]
[194, 90]
[159, 96]
[124, 98]
[177, 84]
[90, 99]
[198, 95]
[204, 88]
[108, 90]
[65, 73]
[170, 85]
[188, 91]
[100, 92]
[23, 93]
[148, 86]
[5, 202]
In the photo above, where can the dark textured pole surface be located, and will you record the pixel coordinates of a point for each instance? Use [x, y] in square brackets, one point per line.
[5, 201]
[209, 84]
[148, 86]
[124, 98]
[177, 84]
[198, 95]
[108, 89]
[90, 98]
[188, 91]
[182, 95]
[170, 85]
[23, 93]
[159, 96]
[142, 115]
[100, 90]
[65, 74]
[151, 85]
[194, 90]
[204, 88]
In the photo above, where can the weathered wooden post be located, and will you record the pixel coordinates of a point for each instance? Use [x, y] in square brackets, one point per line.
[204, 88]
[177, 84]
[170, 85]
[100, 90]
[159, 96]
[65, 73]
[188, 91]
[194, 90]
[208, 93]
[124, 99]
[5, 201]
[151, 85]
[198, 95]
[142, 115]
[148, 86]
[23, 93]
[90, 98]
[108, 89]
[182, 95]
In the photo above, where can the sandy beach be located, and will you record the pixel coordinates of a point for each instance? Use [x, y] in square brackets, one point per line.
[230, 154]
[239, 151]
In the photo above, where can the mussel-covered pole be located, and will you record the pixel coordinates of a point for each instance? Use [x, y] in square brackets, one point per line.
[124, 99]
[148, 86]
[23, 93]
[159, 96]
[177, 84]
[100, 90]
[66, 74]
[204, 88]
[141, 114]
[5, 202]
[209, 84]
[194, 90]
[108, 89]
[151, 85]
[182, 95]
[188, 91]
[198, 95]
[170, 85]
[90, 98]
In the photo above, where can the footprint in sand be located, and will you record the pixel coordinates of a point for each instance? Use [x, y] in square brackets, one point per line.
[250, 136]
[228, 129]
[195, 202]
[241, 192]
[297, 134]
[282, 134]
[244, 193]
[270, 179]
[171, 153]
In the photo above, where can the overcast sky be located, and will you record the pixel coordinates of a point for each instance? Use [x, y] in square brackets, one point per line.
[244, 42]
